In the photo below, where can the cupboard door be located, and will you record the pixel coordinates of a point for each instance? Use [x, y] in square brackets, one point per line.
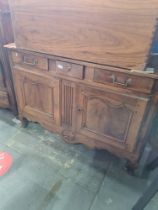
[38, 96]
[110, 117]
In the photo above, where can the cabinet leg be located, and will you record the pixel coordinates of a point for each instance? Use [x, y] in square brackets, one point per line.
[24, 122]
[144, 160]
[130, 168]
[139, 169]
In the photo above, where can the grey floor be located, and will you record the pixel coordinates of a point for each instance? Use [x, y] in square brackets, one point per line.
[48, 174]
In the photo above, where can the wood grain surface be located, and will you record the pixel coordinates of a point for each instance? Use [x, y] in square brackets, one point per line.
[112, 32]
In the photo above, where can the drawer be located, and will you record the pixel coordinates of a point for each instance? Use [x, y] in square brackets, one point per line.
[123, 80]
[67, 69]
[30, 61]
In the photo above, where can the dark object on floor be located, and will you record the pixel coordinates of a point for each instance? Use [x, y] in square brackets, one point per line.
[6, 161]
[151, 190]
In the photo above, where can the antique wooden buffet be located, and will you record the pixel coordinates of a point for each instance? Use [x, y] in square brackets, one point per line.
[7, 96]
[83, 69]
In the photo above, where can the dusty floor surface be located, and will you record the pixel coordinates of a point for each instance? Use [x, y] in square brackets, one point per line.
[48, 174]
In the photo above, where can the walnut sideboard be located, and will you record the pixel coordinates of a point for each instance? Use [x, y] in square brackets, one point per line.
[100, 106]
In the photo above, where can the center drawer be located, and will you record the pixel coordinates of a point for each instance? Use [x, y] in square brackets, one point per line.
[66, 69]
[29, 61]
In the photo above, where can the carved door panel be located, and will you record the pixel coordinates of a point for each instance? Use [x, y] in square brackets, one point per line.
[110, 117]
[38, 96]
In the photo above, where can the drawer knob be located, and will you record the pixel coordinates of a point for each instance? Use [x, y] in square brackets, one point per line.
[64, 68]
[29, 61]
[60, 66]
[25, 80]
[35, 83]
[126, 83]
[80, 109]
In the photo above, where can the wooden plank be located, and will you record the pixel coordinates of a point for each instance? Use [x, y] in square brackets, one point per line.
[111, 32]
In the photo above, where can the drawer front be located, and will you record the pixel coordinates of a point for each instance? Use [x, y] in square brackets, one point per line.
[67, 69]
[123, 80]
[30, 61]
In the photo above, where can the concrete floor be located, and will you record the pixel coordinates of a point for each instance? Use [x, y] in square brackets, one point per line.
[48, 174]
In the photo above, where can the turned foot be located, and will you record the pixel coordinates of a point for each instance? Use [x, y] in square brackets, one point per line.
[24, 122]
[130, 168]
